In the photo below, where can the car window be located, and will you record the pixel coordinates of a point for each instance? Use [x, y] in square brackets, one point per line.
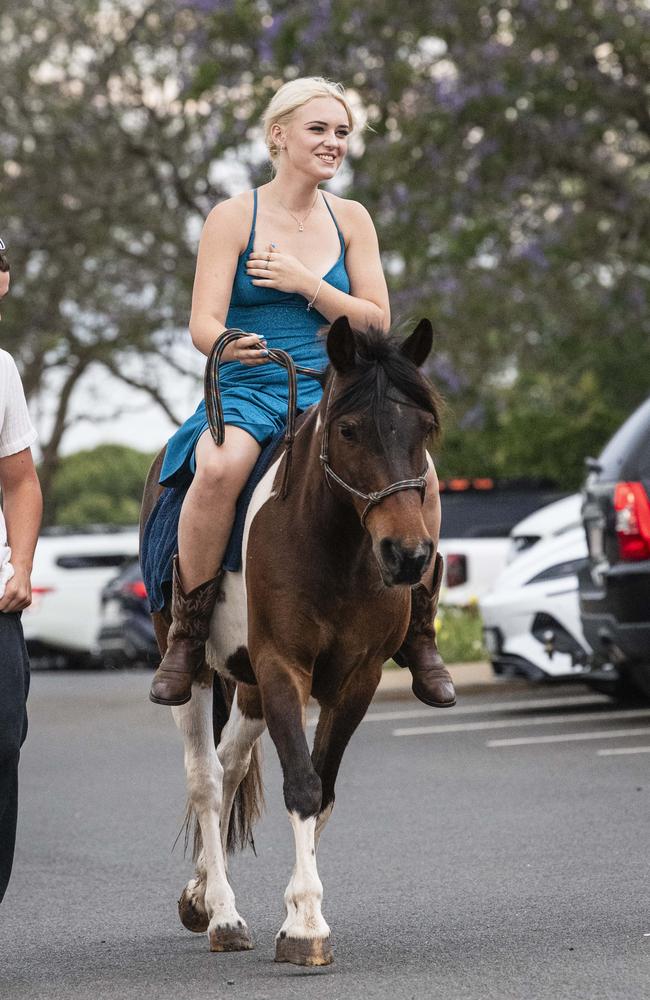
[94, 561]
[490, 514]
[627, 454]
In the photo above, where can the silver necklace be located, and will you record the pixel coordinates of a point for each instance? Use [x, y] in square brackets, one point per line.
[301, 222]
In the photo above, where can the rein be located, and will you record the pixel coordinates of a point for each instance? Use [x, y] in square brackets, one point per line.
[214, 408]
[216, 423]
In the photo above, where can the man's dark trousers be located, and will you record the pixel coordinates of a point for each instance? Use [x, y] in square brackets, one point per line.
[14, 685]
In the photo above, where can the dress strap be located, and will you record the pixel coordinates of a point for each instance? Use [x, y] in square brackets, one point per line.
[338, 228]
[251, 238]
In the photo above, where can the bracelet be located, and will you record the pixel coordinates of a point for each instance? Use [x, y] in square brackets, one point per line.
[315, 296]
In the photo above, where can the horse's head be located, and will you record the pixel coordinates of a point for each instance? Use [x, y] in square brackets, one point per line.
[379, 412]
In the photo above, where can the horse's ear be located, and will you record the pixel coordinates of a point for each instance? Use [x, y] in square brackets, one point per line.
[418, 346]
[340, 345]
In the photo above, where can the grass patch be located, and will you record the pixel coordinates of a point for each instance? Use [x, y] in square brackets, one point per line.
[459, 634]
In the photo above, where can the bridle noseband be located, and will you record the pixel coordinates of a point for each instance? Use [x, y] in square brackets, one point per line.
[375, 497]
[216, 423]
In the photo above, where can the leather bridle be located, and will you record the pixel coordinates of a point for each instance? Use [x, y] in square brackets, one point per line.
[216, 423]
[375, 497]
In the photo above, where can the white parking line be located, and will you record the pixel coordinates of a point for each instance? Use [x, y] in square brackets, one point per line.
[622, 750]
[603, 734]
[533, 720]
[485, 709]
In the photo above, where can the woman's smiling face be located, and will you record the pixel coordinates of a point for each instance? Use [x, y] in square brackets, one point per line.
[316, 137]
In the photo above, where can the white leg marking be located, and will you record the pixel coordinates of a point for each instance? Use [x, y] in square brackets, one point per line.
[234, 751]
[204, 782]
[304, 894]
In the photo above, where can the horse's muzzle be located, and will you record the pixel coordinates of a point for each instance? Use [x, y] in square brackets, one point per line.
[402, 564]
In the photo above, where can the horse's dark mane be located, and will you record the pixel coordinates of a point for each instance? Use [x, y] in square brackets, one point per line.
[381, 365]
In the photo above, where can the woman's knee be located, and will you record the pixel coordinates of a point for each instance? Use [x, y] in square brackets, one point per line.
[223, 469]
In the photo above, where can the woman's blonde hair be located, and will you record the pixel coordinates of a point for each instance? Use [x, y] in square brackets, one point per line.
[294, 95]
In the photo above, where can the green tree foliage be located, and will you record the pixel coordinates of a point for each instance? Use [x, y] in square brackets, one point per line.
[506, 167]
[100, 486]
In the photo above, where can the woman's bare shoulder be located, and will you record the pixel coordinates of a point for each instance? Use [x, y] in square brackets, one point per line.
[351, 215]
[347, 207]
[230, 220]
[240, 206]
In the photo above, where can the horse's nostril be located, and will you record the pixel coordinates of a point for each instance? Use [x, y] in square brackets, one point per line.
[405, 564]
[391, 552]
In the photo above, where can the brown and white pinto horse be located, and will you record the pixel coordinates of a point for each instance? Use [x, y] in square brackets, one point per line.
[322, 602]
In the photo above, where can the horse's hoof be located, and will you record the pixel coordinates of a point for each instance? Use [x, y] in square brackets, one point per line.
[230, 939]
[303, 951]
[192, 913]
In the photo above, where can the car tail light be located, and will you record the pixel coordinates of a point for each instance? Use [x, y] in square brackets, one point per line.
[37, 596]
[632, 508]
[456, 565]
[136, 588]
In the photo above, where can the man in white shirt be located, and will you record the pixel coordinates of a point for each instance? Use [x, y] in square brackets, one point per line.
[20, 520]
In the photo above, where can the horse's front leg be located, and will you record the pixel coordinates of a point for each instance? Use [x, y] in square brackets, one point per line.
[334, 731]
[304, 937]
[227, 931]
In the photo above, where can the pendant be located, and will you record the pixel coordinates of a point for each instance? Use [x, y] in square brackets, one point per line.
[301, 228]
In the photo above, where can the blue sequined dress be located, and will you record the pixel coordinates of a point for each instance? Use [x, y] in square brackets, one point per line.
[255, 398]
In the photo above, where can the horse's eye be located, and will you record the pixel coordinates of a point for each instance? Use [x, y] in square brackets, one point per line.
[348, 431]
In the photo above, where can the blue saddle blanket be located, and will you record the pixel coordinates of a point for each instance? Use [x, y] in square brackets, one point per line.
[160, 536]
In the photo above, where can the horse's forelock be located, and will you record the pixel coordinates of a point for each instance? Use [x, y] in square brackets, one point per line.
[380, 364]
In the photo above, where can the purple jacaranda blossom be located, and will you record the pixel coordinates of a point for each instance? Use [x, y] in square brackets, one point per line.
[474, 418]
[321, 13]
[444, 371]
[533, 253]
[207, 6]
[446, 284]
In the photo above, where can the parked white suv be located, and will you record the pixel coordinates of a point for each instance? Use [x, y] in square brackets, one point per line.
[481, 531]
[531, 618]
[69, 573]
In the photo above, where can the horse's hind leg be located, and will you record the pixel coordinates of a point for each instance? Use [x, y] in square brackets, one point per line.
[244, 727]
[304, 937]
[227, 931]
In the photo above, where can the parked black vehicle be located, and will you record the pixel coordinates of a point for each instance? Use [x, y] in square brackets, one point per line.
[126, 636]
[615, 585]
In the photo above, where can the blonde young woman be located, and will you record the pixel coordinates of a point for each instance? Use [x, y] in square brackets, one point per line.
[280, 263]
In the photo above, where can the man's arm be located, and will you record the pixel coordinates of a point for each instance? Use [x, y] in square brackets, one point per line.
[23, 507]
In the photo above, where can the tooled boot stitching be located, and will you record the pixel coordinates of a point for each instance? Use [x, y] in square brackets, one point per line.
[191, 614]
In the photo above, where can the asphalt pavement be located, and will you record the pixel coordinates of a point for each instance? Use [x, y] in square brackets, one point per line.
[494, 851]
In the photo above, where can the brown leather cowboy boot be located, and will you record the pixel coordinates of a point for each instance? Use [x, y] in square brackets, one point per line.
[432, 682]
[191, 613]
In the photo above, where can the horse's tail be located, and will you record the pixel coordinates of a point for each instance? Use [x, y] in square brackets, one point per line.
[249, 798]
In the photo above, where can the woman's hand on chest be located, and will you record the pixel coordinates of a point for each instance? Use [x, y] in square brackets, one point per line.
[271, 268]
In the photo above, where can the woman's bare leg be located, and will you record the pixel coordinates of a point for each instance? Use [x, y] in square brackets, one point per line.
[209, 507]
[203, 532]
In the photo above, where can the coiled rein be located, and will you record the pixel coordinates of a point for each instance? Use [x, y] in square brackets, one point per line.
[214, 407]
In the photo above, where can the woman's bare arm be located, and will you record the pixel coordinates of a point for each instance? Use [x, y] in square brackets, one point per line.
[367, 304]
